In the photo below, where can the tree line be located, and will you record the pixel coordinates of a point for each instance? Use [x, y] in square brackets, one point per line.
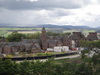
[49, 67]
[90, 44]
[16, 37]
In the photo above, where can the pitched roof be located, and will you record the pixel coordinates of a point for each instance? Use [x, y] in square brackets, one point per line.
[92, 38]
[30, 40]
[37, 45]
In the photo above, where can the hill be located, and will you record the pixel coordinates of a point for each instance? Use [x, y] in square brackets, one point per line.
[47, 26]
[62, 26]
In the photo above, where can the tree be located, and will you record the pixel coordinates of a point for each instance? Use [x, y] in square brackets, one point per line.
[8, 67]
[15, 37]
[52, 34]
[56, 34]
[0, 37]
[65, 33]
[96, 59]
[97, 44]
[33, 36]
[84, 69]
[50, 67]
[88, 44]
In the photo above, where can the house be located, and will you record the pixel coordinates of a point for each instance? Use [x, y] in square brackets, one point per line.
[58, 43]
[36, 48]
[92, 36]
[7, 49]
[76, 37]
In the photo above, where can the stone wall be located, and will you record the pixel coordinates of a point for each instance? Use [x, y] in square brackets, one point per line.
[7, 50]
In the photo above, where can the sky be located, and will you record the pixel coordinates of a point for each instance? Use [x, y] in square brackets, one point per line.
[59, 12]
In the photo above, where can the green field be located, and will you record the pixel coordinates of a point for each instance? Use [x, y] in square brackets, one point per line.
[6, 31]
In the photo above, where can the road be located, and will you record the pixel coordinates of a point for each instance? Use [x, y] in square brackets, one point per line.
[57, 58]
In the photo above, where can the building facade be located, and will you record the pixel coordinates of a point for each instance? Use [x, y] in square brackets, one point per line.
[45, 41]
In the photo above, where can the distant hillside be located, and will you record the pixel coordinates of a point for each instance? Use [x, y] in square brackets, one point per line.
[63, 26]
[98, 31]
[98, 27]
[47, 26]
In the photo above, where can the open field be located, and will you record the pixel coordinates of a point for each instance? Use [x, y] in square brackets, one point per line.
[25, 32]
[6, 31]
[79, 30]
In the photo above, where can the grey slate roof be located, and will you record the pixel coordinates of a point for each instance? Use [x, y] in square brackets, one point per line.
[50, 41]
[92, 38]
[30, 40]
[37, 45]
[14, 43]
[28, 46]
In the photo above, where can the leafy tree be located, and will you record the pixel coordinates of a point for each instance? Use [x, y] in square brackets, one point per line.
[88, 44]
[0, 37]
[33, 36]
[52, 34]
[25, 68]
[56, 34]
[97, 44]
[48, 67]
[15, 37]
[96, 59]
[65, 33]
[84, 69]
[8, 67]
[69, 68]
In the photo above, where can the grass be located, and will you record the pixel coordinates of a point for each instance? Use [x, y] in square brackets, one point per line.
[5, 32]
[23, 54]
[67, 31]
[68, 60]
[44, 54]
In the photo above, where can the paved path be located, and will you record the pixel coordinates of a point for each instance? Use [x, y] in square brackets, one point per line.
[57, 58]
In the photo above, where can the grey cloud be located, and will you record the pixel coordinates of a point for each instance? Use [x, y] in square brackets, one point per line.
[98, 1]
[25, 12]
[59, 12]
[40, 4]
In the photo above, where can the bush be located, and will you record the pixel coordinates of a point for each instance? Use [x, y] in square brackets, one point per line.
[44, 54]
[8, 67]
[9, 56]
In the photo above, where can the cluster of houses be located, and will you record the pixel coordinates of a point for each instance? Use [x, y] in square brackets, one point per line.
[46, 43]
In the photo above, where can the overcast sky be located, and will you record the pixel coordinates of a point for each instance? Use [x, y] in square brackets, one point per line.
[61, 12]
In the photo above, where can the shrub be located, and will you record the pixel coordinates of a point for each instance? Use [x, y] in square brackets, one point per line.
[9, 56]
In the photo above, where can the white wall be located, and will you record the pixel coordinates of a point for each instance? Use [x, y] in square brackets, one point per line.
[50, 49]
[61, 48]
[65, 48]
[57, 49]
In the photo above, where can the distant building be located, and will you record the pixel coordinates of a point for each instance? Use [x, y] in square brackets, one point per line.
[92, 36]
[56, 43]
[61, 49]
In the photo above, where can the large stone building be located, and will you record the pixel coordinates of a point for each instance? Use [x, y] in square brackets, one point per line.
[92, 36]
[45, 41]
